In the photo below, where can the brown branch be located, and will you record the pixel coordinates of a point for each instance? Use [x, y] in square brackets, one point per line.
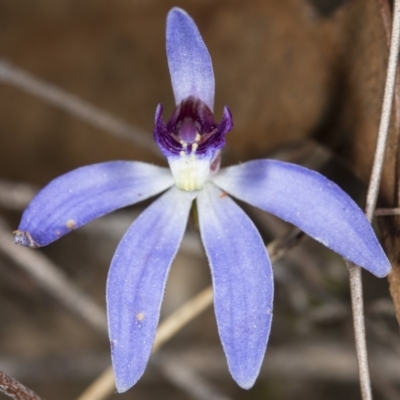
[14, 389]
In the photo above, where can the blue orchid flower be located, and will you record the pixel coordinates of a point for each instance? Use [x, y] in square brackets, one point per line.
[241, 270]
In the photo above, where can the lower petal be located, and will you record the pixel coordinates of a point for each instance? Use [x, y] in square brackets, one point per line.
[313, 203]
[242, 280]
[136, 283]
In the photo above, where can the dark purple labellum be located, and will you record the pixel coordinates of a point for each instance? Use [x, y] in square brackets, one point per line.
[191, 128]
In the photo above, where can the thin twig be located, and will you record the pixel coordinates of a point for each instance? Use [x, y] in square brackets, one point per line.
[386, 15]
[51, 278]
[104, 385]
[14, 389]
[386, 212]
[51, 94]
[372, 195]
[16, 195]
[376, 173]
[357, 304]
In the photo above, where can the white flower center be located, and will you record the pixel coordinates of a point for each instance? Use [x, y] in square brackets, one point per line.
[189, 170]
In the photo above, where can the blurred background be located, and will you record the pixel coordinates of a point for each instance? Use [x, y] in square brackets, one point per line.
[304, 80]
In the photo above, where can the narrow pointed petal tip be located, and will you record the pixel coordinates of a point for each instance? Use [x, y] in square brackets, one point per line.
[242, 281]
[136, 283]
[122, 387]
[189, 62]
[311, 202]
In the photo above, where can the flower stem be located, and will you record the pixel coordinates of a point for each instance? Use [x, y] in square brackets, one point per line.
[372, 195]
[377, 166]
[357, 305]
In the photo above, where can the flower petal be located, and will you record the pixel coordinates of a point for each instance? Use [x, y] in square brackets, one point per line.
[242, 280]
[74, 199]
[189, 62]
[136, 283]
[310, 201]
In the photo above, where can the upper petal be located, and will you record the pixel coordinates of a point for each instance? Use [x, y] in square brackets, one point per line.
[242, 280]
[310, 201]
[136, 283]
[76, 198]
[189, 62]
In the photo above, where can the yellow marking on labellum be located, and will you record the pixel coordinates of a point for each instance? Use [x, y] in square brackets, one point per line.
[140, 316]
[70, 224]
[194, 147]
[182, 153]
[197, 138]
[190, 172]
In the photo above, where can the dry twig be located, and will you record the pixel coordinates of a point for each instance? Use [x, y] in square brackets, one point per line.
[51, 278]
[55, 96]
[383, 212]
[372, 195]
[16, 195]
[14, 389]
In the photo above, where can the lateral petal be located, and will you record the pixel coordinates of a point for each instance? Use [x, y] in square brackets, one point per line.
[86, 193]
[242, 281]
[136, 283]
[313, 203]
[189, 62]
